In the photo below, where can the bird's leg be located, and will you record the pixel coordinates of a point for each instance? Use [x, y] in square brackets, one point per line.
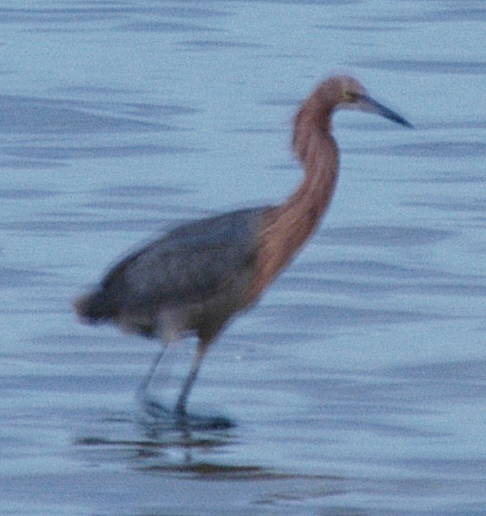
[189, 421]
[180, 408]
[152, 406]
[148, 377]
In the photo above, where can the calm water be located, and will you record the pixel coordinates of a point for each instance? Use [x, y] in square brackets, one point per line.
[358, 385]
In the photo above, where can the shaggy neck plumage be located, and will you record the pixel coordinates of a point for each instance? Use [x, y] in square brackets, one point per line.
[288, 226]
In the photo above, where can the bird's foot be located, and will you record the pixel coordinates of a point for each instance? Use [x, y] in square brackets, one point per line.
[154, 408]
[197, 422]
[180, 419]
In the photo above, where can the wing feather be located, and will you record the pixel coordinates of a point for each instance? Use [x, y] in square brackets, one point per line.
[189, 264]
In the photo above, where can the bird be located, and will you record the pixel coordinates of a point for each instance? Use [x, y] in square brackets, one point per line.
[198, 276]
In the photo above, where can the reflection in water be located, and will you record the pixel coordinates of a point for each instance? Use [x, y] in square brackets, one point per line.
[194, 456]
[162, 447]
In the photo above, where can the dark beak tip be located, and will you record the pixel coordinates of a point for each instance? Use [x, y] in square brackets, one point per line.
[382, 110]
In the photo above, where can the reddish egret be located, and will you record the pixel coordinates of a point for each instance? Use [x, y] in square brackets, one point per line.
[198, 276]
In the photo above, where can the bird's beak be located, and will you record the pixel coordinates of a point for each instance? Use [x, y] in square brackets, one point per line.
[372, 106]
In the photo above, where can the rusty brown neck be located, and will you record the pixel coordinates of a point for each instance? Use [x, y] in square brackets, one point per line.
[286, 227]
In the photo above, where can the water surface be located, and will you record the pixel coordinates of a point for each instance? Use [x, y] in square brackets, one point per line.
[358, 384]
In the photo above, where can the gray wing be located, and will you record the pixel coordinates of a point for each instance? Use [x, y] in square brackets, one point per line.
[191, 263]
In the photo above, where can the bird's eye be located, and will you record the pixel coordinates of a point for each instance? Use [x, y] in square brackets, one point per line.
[350, 96]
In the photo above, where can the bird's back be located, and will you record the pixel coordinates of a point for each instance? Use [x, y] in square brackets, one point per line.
[193, 279]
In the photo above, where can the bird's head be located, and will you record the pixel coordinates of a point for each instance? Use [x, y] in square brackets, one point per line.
[348, 93]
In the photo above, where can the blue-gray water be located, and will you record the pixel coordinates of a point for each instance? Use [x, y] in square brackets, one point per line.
[358, 384]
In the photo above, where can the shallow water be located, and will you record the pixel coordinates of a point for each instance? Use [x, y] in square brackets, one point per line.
[358, 384]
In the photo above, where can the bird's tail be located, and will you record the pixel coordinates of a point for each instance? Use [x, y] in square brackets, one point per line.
[93, 308]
